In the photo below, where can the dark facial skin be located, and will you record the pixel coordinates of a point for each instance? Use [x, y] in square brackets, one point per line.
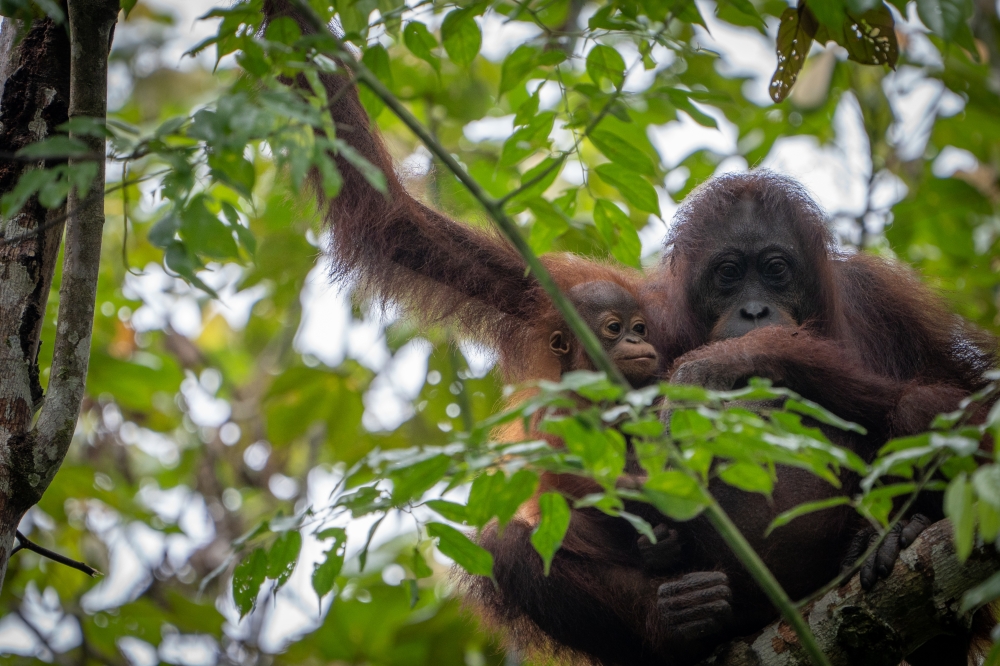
[619, 323]
[754, 274]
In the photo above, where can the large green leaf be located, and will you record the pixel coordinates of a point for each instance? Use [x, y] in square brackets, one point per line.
[461, 36]
[468, 555]
[551, 529]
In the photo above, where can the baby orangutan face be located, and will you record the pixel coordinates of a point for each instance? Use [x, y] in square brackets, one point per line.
[616, 317]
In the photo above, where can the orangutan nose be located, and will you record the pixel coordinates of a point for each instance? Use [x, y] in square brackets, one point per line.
[754, 311]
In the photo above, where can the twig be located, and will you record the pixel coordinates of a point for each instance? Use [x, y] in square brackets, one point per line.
[48, 224]
[24, 543]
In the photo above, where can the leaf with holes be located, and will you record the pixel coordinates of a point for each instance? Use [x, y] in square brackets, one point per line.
[248, 576]
[282, 556]
[795, 36]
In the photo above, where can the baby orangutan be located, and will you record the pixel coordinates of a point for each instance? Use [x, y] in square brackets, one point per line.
[616, 317]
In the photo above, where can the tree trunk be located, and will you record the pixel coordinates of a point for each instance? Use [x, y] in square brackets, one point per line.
[30, 459]
[919, 601]
[35, 77]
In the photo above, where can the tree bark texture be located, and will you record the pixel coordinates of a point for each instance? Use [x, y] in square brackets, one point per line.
[919, 601]
[36, 81]
[30, 459]
[91, 25]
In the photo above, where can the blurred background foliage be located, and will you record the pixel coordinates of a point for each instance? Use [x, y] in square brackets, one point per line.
[241, 393]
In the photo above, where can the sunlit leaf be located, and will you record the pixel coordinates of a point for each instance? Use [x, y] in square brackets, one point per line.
[461, 36]
[604, 62]
[421, 43]
[788, 516]
[552, 526]
[516, 67]
[636, 190]
[958, 508]
[282, 555]
[468, 555]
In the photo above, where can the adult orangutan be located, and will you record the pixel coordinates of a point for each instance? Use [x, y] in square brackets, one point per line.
[751, 286]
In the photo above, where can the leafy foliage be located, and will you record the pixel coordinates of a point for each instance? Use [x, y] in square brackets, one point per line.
[305, 500]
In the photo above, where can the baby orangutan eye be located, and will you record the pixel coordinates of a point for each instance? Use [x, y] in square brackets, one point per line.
[639, 329]
[614, 327]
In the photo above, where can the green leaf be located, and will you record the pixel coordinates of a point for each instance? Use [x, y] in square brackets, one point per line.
[747, 476]
[986, 481]
[376, 59]
[870, 38]
[526, 140]
[234, 170]
[283, 30]
[204, 231]
[370, 172]
[527, 110]
[948, 19]
[282, 556]
[457, 513]
[548, 535]
[60, 146]
[421, 43]
[178, 259]
[620, 151]
[516, 67]
[958, 508]
[604, 62]
[689, 424]
[618, 232]
[637, 191]
[461, 36]
[248, 576]
[802, 509]
[494, 495]
[795, 36]
[127, 6]
[812, 410]
[468, 555]
[412, 481]
[325, 573]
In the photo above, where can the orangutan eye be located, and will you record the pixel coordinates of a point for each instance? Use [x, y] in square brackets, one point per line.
[775, 268]
[639, 329]
[614, 327]
[728, 271]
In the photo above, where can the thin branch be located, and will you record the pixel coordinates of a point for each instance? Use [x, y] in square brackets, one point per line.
[59, 219]
[24, 543]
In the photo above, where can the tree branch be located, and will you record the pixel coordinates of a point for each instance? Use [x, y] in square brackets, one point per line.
[91, 23]
[24, 543]
[920, 600]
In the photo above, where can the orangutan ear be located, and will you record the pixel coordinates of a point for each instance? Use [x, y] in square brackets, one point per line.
[559, 343]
